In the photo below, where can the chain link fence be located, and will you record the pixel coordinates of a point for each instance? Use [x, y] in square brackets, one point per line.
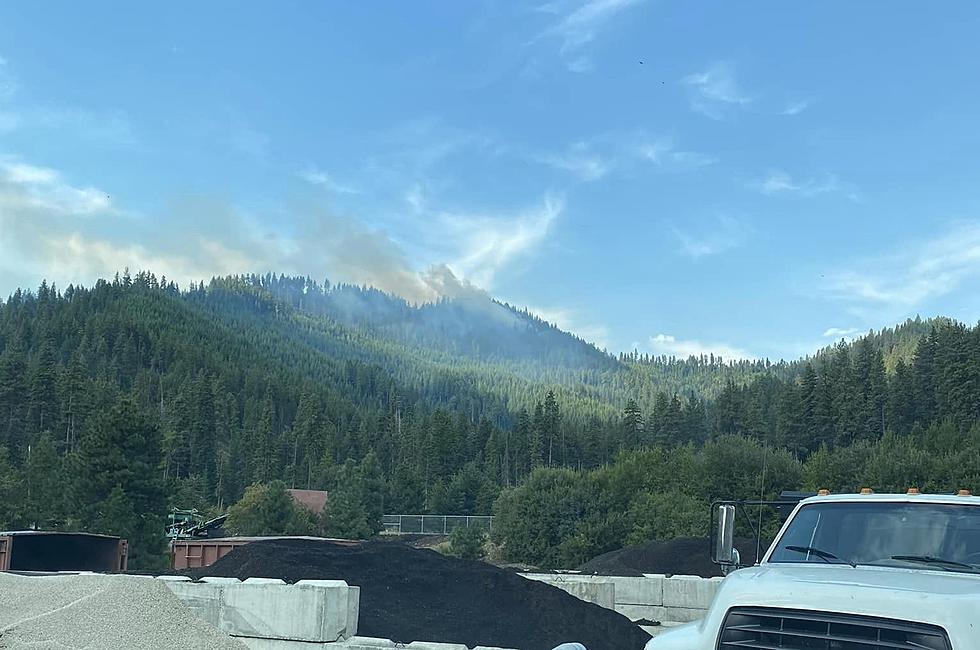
[433, 524]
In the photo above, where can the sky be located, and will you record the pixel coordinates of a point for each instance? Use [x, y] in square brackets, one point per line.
[752, 180]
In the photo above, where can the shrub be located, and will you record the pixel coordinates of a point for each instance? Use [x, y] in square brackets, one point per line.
[467, 542]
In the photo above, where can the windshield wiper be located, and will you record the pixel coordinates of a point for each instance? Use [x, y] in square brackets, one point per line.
[826, 556]
[948, 565]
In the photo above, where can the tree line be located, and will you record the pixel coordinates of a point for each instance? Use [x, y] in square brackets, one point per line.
[120, 401]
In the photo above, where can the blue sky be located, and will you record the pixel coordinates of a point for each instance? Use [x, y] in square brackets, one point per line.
[748, 179]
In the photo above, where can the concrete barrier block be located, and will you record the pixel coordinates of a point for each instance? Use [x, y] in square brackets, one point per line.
[353, 609]
[264, 581]
[638, 612]
[646, 590]
[367, 643]
[633, 590]
[203, 599]
[431, 645]
[214, 580]
[602, 594]
[169, 578]
[322, 583]
[689, 592]
[308, 613]
[278, 611]
[683, 614]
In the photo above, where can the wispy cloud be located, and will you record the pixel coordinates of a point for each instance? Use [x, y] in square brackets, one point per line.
[596, 158]
[780, 182]
[912, 277]
[415, 197]
[797, 107]
[581, 65]
[666, 344]
[841, 332]
[488, 243]
[715, 91]
[28, 186]
[415, 150]
[722, 234]
[580, 161]
[65, 232]
[320, 178]
[663, 153]
[578, 24]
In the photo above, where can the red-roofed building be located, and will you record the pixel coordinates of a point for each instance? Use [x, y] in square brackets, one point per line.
[313, 500]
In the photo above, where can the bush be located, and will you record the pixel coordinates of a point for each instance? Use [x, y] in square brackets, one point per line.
[467, 542]
[267, 509]
[665, 516]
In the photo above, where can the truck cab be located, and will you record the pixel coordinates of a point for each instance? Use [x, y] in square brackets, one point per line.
[850, 572]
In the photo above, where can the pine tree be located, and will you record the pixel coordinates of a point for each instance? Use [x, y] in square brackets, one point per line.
[672, 428]
[201, 432]
[729, 410]
[924, 383]
[44, 482]
[632, 425]
[372, 491]
[536, 437]
[346, 515]
[310, 441]
[11, 488]
[122, 449]
[847, 399]
[790, 421]
[13, 396]
[263, 451]
[901, 399]
[551, 422]
[42, 393]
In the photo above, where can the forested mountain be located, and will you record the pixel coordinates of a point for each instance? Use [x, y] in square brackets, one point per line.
[897, 343]
[470, 325]
[119, 401]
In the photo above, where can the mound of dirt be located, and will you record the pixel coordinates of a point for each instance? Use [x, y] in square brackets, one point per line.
[410, 594]
[682, 556]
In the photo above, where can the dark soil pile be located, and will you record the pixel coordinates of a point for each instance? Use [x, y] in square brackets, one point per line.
[410, 594]
[682, 556]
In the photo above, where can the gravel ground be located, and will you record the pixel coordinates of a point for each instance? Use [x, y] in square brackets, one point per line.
[99, 612]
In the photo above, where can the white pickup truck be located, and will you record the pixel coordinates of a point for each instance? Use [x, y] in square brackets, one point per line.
[850, 572]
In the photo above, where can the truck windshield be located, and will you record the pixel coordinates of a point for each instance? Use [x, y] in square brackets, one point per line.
[926, 536]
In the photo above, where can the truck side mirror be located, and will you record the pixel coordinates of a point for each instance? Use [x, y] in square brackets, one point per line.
[725, 553]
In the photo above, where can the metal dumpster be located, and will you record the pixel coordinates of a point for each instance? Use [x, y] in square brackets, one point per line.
[41, 550]
[196, 553]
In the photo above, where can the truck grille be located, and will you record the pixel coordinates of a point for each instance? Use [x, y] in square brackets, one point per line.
[760, 628]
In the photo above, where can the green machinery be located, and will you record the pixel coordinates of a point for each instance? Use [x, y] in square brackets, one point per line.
[188, 524]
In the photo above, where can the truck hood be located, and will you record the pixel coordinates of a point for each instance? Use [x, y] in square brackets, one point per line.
[950, 600]
[807, 582]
